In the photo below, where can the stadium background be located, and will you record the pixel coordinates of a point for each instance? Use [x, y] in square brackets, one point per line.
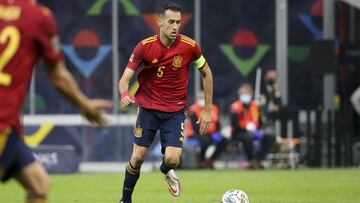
[244, 27]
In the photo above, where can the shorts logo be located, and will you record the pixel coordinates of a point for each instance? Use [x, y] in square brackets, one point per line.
[138, 132]
[177, 62]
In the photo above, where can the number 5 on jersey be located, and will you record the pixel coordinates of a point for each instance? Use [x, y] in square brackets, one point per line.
[160, 71]
[11, 36]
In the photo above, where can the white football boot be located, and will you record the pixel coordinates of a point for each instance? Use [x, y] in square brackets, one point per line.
[173, 183]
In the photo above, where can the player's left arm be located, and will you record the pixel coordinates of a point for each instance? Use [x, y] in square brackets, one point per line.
[205, 117]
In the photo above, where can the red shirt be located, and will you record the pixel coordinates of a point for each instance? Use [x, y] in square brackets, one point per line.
[27, 32]
[163, 76]
[197, 109]
[246, 115]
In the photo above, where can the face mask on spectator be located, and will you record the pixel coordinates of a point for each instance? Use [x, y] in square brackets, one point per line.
[201, 102]
[270, 81]
[245, 98]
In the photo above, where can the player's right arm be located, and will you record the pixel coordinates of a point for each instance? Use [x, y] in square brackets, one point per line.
[134, 61]
[62, 80]
[47, 38]
[126, 98]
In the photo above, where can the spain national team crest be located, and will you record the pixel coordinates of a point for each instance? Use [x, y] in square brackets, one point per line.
[177, 62]
[138, 132]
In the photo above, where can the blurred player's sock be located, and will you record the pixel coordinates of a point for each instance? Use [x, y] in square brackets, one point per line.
[131, 176]
[164, 168]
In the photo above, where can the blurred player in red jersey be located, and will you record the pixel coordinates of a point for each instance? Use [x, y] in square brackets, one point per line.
[27, 32]
[162, 62]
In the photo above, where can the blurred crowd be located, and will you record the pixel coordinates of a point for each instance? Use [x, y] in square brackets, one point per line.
[249, 122]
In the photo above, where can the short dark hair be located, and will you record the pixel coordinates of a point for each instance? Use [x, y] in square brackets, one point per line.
[169, 6]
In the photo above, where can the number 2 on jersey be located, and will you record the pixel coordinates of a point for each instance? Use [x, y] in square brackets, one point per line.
[11, 35]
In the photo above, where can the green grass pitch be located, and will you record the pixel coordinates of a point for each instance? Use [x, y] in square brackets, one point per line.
[202, 186]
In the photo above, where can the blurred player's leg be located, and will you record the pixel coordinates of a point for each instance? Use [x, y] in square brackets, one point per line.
[1, 173]
[171, 161]
[132, 172]
[35, 181]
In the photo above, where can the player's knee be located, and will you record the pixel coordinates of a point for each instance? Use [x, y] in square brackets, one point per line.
[172, 161]
[136, 161]
[41, 187]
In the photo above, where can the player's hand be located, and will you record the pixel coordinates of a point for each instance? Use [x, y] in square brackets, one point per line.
[94, 111]
[204, 121]
[126, 100]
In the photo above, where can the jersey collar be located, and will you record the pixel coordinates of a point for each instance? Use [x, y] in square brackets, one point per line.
[177, 40]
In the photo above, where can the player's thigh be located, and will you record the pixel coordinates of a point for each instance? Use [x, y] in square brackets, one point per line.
[34, 178]
[15, 155]
[172, 131]
[145, 127]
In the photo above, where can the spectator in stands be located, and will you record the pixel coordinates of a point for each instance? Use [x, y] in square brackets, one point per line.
[246, 127]
[271, 93]
[274, 109]
[211, 137]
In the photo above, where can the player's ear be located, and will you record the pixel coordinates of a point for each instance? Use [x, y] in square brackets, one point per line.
[159, 21]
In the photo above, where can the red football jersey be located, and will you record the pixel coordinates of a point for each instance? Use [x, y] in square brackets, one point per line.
[27, 32]
[163, 76]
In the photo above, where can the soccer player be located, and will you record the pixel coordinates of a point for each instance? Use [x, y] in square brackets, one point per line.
[162, 62]
[27, 32]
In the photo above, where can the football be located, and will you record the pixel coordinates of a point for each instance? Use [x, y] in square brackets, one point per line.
[235, 196]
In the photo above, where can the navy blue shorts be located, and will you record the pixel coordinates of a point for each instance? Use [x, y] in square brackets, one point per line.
[171, 127]
[14, 154]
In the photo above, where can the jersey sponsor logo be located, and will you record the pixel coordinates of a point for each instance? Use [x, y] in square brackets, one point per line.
[177, 62]
[138, 132]
[10, 13]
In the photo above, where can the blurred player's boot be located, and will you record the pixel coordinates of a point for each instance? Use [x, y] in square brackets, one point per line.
[207, 164]
[173, 183]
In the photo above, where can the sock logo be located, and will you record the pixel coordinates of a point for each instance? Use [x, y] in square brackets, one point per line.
[245, 44]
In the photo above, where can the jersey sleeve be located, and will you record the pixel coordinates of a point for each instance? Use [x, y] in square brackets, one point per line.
[48, 39]
[136, 57]
[199, 60]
